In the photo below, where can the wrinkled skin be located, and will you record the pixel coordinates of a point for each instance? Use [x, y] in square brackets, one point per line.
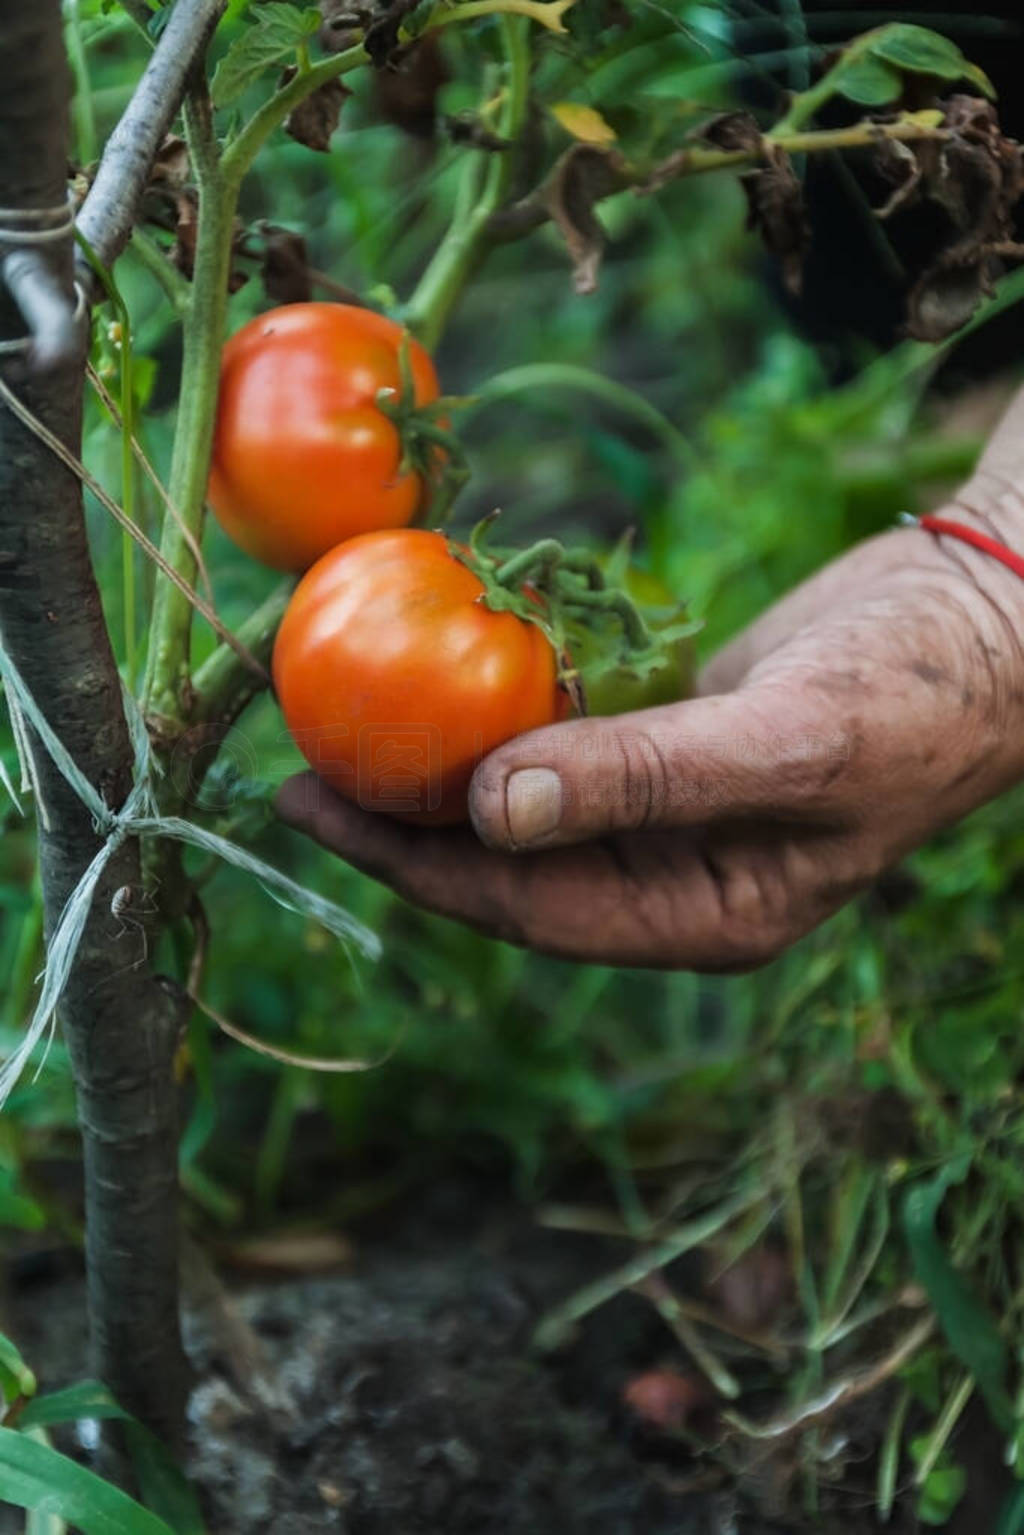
[878, 702]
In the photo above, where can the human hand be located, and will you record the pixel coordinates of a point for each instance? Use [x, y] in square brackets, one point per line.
[878, 702]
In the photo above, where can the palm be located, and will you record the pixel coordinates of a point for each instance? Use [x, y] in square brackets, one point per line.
[836, 733]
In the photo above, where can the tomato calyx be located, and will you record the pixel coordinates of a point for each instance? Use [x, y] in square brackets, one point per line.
[592, 623]
[429, 449]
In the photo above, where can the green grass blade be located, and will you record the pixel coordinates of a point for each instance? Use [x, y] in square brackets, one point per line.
[35, 1477]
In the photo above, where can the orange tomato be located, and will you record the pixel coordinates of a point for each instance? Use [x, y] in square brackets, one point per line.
[302, 456]
[395, 679]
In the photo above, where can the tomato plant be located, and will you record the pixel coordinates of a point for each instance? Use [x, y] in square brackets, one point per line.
[620, 689]
[303, 455]
[396, 679]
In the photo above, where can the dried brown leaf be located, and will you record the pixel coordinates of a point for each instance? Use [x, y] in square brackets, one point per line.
[976, 176]
[901, 166]
[775, 201]
[186, 228]
[170, 167]
[381, 39]
[945, 297]
[182, 253]
[285, 266]
[583, 175]
[343, 21]
[291, 1252]
[775, 208]
[314, 119]
[406, 93]
[733, 130]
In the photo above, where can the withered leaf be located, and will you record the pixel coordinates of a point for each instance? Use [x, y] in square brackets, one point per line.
[406, 93]
[182, 253]
[945, 296]
[775, 208]
[976, 175]
[381, 39]
[775, 200]
[467, 128]
[315, 118]
[733, 130]
[342, 21]
[898, 164]
[583, 175]
[170, 167]
[285, 266]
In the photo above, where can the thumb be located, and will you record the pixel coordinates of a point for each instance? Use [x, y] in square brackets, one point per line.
[735, 755]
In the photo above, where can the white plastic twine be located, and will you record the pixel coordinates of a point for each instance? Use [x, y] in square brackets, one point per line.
[43, 226]
[137, 816]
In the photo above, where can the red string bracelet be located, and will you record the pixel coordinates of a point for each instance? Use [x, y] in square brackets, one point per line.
[982, 541]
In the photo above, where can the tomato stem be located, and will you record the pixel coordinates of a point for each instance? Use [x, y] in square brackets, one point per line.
[468, 234]
[617, 603]
[166, 687]
[566, 594]
[443, 474]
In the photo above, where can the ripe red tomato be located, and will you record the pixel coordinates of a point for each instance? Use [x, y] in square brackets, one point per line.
[395, 680]
[302, 456]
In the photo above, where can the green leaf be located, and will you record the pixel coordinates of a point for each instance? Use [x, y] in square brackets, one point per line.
[36, 1477]
[1011, 1515]
[164, 1486]
[20, 1212]
[278, 32]
[16, 1379]
[868, 81]
[970, 1330]
[940, 1495]
[922, 51]
[87, 1399]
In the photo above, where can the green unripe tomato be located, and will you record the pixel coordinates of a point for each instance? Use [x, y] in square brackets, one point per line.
[620, 690]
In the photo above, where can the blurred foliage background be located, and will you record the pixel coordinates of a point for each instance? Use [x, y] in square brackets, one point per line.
[799, 429]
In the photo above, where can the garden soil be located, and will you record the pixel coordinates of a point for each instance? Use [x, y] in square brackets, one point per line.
[400, 1396]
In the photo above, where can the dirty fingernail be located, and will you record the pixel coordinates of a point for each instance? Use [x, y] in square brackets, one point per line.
[533, 804]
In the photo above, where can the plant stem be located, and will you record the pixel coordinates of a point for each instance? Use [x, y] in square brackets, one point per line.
[457, 255]
[698, 161]
[242, 151]
[167, 674]
[223, 686]
[805, 105]
[82, 103]
[153, 257]
[536, 378]
[548, 13]
[127, 462]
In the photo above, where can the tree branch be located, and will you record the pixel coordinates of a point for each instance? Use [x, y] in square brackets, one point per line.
[120, 1023]
[110, 208]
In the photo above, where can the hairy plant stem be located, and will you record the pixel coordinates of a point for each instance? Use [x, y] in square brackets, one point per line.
[154, 258]
[166, 689]
[222, 687]
[467, 238]
[243, 149]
